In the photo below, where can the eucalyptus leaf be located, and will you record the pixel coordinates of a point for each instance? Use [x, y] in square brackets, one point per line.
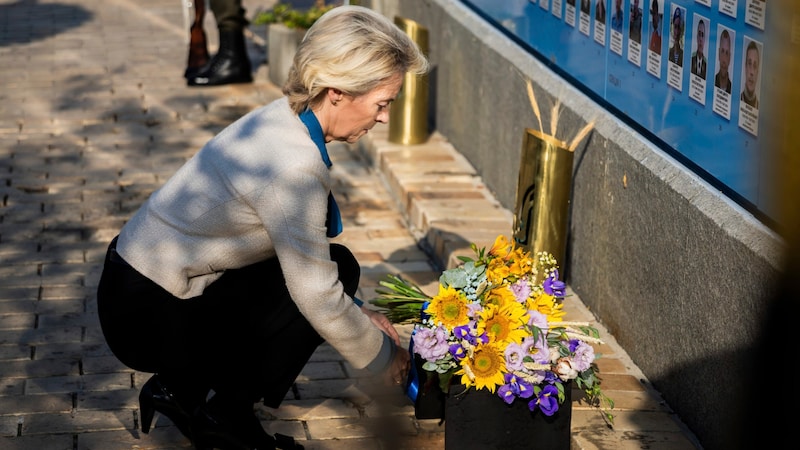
[430, 366]
[454, 278]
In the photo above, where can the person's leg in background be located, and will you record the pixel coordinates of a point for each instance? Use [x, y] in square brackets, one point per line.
[198, 43]
[231, 64]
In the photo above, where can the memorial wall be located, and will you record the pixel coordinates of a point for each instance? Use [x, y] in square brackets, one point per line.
[687, 74]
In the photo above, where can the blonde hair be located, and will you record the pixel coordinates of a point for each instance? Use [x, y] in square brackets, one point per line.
[352, 49]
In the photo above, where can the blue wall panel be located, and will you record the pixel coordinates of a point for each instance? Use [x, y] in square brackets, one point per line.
[714, 131]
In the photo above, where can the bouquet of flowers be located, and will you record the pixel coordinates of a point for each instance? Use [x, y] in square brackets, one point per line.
[497, 323]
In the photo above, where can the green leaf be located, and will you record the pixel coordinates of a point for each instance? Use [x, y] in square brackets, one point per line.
[285, 14]
[561, 395]
[444, 381]
[401, 299]
[460, 277]
[429, 366]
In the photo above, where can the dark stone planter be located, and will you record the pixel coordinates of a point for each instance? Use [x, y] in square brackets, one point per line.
[481, 420]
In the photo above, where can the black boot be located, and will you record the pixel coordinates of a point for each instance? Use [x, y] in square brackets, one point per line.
[176, 405]
[230, 65]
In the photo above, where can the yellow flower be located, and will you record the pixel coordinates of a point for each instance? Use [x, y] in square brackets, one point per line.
[503, 324]
[507, 262]
[547, 305]
[499, 296]
[500, 248]
[485, 368]
[521, 264]
[448, 307]
[497, 271]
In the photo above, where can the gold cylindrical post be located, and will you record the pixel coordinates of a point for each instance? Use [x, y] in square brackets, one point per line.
[780, 139]
[543, 194]
[408, 117]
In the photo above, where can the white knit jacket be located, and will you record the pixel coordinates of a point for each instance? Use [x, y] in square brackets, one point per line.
[256, 190]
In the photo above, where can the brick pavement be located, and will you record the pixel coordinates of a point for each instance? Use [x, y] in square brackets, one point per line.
[94, 115]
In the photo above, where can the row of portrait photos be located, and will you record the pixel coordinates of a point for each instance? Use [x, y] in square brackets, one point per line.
[663, 22]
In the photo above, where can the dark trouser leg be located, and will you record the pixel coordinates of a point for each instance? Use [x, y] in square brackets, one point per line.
[256, 339]
[146, 330]
[231, 64]
[244, 334]
[267, 341]
[229, 14]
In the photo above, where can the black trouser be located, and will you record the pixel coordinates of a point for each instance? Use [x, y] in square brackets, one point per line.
[244, 335]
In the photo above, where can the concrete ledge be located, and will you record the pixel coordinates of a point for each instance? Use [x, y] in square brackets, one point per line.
[444, 200]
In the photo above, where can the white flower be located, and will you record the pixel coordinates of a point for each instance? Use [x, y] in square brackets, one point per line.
[564, 370]
[554, 355]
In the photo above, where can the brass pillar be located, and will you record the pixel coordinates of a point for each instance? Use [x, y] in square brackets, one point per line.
[408, 117]
[544, 189]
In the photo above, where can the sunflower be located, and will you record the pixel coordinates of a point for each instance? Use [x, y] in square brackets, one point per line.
[499, 296]
[503, 324]
[547, 305]
[485, 368]
[449, 308]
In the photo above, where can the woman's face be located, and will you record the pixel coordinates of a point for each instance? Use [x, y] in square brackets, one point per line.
[353, 117]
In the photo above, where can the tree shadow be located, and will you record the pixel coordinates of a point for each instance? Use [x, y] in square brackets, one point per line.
[28, 20]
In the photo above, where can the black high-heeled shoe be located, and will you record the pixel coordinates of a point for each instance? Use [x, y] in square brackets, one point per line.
[284, 442]
[243, 432]
[155, 396]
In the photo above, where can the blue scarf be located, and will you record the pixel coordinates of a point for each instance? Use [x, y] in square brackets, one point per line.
[334, 220]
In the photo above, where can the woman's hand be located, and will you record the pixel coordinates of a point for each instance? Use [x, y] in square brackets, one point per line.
[383, 324]
[397, 371]
[401, 362]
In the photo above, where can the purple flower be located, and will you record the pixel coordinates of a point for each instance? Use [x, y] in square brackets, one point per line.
[519, 387]
[457, 351]
[474, 309]
[573, 344]
[584, 356]
[514, 387]
[546, 400]
[431, 344]
[514, 356]
[465, 332]
[554, 287]
[537, 319]
[536, 349]
[506, 393]
[521, 290]
[462, 332]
